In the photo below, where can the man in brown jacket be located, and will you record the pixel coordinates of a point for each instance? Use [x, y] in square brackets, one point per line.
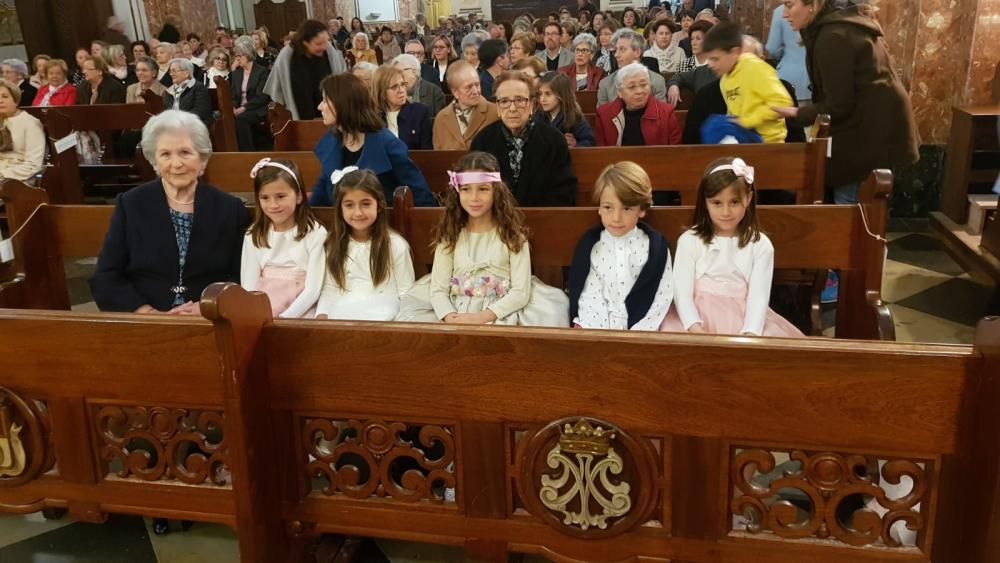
[872, 124]
[458, 123]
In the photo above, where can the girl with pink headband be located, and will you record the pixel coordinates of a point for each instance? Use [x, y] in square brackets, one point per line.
[482, 261]
[283, 253]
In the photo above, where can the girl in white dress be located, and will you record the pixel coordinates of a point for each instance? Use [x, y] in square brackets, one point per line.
[724, 263]
[283, 249]
[368, 264]
[482, 262]
[620, 278]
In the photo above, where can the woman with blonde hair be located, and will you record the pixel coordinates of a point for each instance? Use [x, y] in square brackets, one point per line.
[410, 121]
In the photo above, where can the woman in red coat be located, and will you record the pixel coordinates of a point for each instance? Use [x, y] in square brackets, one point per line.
[635, 117]
[58, 90]
[582, 73]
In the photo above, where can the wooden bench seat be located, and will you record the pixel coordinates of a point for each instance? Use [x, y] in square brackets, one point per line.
[312, 419]
[797, 167]
[806, 238]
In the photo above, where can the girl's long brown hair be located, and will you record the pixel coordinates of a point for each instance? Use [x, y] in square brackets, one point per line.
[560, 85]
[711, 184]
[340, 232]
[305, 219]
[507, 216]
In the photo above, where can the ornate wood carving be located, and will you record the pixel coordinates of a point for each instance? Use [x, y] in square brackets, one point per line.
[361, 459]
[587, 478]
[25, 439]
[161, 443]
[826, 480]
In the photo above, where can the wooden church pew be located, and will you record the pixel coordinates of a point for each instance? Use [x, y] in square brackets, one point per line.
[797, 167]
[302, 425]
[805, 238]
[62, 178]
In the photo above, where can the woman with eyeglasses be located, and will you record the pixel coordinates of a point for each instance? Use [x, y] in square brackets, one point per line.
[534, 157]
[410, 121]
[583, 73]
[442, 55]
[219, 60]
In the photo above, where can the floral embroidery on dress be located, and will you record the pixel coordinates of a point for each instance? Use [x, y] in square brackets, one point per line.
[479, 286]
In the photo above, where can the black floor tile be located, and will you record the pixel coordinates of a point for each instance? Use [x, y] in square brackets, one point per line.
[957, 300]
[122, 539]
[924, 251]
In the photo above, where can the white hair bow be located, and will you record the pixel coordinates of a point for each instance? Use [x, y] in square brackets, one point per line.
[338, 175]
[739, 167]
[256, 167]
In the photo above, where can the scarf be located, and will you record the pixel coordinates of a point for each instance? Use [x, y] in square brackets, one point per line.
[178, 89]
[515, 147]
[665, 57]
[463, 115]
[48, 95]
[604, 61]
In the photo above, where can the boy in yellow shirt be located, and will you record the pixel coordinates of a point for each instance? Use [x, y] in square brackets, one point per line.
[750, 86]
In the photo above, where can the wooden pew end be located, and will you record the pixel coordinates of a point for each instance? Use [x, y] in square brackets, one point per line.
[402, 203]
[228, 301]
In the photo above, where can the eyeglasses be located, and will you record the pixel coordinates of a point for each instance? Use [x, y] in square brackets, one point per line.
[439, 47]
[400, 86]
[582, 51]
[518, 102]
[415, 53]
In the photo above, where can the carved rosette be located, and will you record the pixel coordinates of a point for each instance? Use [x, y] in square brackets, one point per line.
[587, 478]
[25, 439]
[160, 443]
[407, 463]
[826, 480]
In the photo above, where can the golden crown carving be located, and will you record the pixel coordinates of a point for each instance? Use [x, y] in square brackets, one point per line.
[585, 438]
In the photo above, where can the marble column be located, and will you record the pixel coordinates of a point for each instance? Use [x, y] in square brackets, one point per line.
[985, 53]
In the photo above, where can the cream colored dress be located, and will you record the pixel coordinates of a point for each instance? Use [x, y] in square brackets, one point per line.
[482, 273]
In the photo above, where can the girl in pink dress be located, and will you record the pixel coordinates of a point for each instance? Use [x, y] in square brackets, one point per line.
[724, 263]
[283, 253]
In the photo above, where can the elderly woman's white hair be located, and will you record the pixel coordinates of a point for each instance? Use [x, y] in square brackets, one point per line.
[18, 66]
[366, 66]
[184, 64]
[752, 45]
[587, 38]
[364, 36]
[628, 71]
[176, 122]
[474, 38]
[406, 61]
[638, 43]
[169, 47]
[244, 46]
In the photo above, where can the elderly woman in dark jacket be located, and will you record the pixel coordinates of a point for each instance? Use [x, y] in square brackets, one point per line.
[853, 81]
[249, 100]
[534, 157]
[187, 94]
[98, 87]
[155, 257]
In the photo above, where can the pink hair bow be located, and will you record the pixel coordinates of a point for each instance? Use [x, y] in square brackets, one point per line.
[739, 167]
[459, 179]
[453, 180]
[256, 167]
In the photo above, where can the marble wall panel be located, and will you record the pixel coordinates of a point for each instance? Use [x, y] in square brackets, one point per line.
[157, 11]
[985, 53]
[323, 10]
[346, 9]
[199, 17]
[941, 64]
[899, 22]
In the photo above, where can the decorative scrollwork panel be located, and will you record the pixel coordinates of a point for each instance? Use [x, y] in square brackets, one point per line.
[361, 459]
[25, 439]
[855, 499]
[587, 478]
[163, 443]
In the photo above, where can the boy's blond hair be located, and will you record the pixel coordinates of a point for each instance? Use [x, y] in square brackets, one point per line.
[630, 183]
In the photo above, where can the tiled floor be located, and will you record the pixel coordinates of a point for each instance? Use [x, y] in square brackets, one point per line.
[932, 300]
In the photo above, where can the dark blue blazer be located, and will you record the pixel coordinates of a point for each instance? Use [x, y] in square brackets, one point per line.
[429, 73]
[383, 154]
[582, 132]
[139, 261]
[414, 121]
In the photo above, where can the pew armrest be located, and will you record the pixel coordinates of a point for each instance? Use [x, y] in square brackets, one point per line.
[884, 323]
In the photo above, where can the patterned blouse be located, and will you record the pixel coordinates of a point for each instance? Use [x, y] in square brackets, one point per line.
[182, 229]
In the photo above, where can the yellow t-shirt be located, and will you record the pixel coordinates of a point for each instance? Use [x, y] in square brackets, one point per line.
[751, 89]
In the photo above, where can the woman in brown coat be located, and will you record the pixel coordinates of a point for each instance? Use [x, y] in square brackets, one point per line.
[852, 81]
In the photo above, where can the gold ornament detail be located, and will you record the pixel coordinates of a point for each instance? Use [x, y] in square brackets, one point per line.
[588, 460]
[12, 455]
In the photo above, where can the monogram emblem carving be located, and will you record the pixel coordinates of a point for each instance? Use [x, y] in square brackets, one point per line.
[407, 463]
[827, 495]
[587, 478]
[587, 460]
[160, 443]
[25, 451]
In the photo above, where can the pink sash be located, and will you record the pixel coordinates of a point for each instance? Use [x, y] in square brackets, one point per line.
[282, 285]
